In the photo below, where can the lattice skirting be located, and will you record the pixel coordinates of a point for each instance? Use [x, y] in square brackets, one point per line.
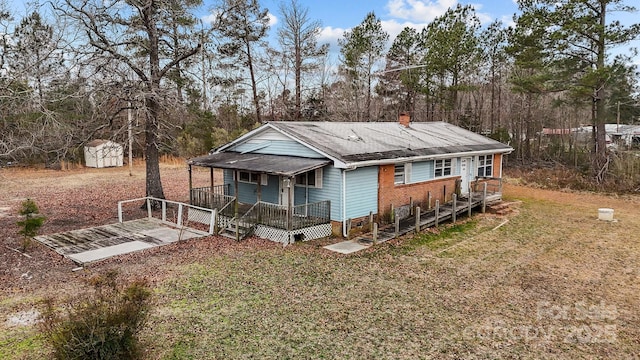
[288, 237]
[223, 221]
[200, 216]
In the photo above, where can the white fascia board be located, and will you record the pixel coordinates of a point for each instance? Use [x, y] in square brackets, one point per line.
[425, 157]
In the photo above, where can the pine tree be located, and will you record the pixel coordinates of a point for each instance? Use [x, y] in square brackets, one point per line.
[361, 48]
[243, 24]
[578, 36]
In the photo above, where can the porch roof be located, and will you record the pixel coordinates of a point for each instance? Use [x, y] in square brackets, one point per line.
[262, 163]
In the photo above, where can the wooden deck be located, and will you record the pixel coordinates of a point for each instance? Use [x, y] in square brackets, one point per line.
[97, 243]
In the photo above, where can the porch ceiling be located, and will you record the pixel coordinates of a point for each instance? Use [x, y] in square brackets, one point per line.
[263, 163]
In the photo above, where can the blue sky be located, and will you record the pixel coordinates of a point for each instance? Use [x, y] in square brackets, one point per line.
[340, 15]
[337, 16]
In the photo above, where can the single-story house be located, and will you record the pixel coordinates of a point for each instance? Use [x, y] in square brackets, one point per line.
[103, 153]
[304, 180]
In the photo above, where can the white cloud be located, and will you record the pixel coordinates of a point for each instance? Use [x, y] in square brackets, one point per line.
[330, 35]
[420, 12]
[507, 20]
[393, 27]
[272, 19]
[417, 10]
[210, 18]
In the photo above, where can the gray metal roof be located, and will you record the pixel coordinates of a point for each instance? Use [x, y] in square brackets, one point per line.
[269, 164]
[353, 142]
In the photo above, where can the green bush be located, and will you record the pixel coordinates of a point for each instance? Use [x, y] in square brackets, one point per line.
[32, 222]
[102, 324]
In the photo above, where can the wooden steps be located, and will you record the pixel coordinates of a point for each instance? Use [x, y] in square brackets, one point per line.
[244, 229]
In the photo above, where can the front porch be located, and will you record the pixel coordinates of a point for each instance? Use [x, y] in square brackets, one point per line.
[271, 221]
[257, 198]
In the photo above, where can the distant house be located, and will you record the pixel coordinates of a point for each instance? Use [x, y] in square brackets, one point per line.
[304, 180]
[626, 135]
[103, 153]
[615, 134]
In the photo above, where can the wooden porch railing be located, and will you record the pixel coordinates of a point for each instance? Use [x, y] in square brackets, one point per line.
[302, 216]
[185, 214]
[216, 197]
[494, 185]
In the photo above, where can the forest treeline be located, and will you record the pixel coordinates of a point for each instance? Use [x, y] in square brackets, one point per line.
[75, 70]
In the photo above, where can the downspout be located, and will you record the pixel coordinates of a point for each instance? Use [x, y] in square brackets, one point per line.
[344, 203]
[190, 186]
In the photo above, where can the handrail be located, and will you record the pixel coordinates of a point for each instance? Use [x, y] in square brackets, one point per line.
[217, 189]
[246, 219]
[231, 201]
[493, 182]
[164, 202]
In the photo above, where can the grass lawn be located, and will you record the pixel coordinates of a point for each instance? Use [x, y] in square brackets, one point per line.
[552, 282]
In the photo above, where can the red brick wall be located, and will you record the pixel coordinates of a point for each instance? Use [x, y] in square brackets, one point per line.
[497, 164]
[399, 195]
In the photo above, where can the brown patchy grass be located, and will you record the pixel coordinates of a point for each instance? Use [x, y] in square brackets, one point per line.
[553, 282]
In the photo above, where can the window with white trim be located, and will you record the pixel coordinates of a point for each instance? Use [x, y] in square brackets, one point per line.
[310, 179]
[252, 177]
[442, 167]
[399, 174]
[485, 165]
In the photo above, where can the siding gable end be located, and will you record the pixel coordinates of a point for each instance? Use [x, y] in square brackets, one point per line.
[272, 142]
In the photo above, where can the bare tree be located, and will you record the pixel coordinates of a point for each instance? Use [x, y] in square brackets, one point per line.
[298, 36]
[141, 35]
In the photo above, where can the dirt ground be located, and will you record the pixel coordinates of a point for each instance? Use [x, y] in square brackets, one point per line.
[552, 266]
[88, 197]
[78, 199]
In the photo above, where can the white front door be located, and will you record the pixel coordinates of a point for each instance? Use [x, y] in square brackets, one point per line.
[285, 185]
[466, 174]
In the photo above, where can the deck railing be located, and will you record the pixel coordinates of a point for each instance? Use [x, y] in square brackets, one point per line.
[302, 216]
[172, 212]
[216, 197]
[494, 185]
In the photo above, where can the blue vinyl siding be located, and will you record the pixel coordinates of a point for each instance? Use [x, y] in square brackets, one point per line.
[278, 147]
[248, 193]
[362, 192]
[300, 195]
[331, 190]
[270, 192]
[422, 171]
[228, 179]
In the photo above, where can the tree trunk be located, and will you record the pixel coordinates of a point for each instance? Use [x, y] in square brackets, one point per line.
[298, 71]
[153, 181]
[599, 93]
[254, 87]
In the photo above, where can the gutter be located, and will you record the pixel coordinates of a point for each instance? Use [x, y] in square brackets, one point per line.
[354, 165]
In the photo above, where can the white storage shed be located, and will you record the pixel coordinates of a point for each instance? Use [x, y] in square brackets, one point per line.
[103, 153]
